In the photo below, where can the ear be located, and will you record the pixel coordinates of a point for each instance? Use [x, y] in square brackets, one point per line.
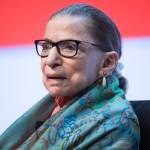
[109, 63]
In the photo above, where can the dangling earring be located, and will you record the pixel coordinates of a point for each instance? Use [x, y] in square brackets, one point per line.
[104, 79]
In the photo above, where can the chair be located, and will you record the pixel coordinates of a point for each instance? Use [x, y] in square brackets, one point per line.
[142, 110]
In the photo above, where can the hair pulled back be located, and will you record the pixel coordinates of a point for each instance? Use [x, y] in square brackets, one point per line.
[102, 29]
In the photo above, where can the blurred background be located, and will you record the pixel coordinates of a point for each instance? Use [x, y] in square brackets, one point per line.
[21, 22]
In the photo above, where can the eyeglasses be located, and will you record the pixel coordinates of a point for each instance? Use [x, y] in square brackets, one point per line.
[66, 48]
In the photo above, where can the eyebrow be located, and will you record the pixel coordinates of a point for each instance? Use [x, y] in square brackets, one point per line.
[60, 40]
[47, 39]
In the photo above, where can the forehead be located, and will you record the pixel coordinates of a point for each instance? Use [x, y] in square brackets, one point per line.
[67, 27]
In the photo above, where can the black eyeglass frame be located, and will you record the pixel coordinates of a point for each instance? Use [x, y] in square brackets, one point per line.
[58, 49]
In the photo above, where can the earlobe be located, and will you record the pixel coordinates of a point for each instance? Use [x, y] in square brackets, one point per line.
[103, 74]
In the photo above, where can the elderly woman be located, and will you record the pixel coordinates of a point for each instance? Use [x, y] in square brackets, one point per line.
[85, 107]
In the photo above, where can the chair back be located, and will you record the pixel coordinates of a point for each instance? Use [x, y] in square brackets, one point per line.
[142, 110]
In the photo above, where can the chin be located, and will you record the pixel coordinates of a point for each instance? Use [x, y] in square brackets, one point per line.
[60, 92]
[56, 92]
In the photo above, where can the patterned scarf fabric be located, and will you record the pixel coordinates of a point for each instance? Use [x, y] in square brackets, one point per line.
[98, 118]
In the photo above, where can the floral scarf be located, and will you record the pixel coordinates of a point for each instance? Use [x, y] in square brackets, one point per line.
[98, 118]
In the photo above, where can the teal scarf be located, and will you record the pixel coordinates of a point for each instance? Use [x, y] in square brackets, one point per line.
[98, 118]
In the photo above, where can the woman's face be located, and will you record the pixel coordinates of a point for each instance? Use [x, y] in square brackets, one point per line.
[68, 76]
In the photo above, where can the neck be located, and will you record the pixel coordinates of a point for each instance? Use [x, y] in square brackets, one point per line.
[62, 100]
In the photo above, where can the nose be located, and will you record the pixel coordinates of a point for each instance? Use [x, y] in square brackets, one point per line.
[54, 58]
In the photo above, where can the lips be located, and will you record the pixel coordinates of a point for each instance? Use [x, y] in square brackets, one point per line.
[55, 77]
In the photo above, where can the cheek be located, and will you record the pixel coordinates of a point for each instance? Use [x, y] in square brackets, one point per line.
[83, 73]
[43, 71]
[92, 67]
[92, 63]
[90, 72]
[42, 65]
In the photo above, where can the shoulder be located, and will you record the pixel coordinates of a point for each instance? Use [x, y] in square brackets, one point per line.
[123, 123]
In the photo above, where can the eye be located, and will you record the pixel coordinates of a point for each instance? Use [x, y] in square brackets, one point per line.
[68, 46]
[46, 46]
